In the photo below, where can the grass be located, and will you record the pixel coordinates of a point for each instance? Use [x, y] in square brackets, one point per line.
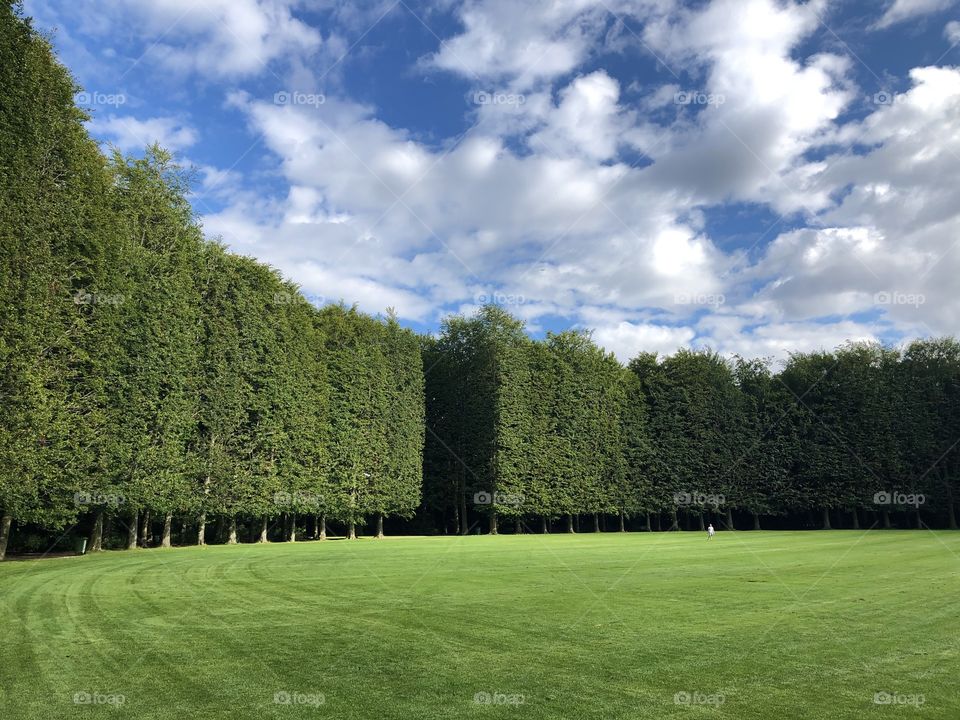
[781, 625]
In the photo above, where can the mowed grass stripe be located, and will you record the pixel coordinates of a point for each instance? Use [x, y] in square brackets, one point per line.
[781, 624]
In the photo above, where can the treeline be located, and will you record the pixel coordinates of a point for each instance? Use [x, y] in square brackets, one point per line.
[558, 430]
[155, 387]
[148, 376]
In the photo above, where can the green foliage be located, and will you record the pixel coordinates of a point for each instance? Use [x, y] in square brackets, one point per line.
[144, 367]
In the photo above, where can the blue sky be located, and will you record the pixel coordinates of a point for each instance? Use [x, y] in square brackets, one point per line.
[756, 176]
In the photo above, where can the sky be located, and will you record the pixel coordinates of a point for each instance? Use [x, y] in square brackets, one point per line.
[753, 176]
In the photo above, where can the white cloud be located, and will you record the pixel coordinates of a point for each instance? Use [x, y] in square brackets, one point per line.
[523, 44]
[228, 37]
[130, 134]
[778, 340]
[900, 10]
[768, 108]
[587, 120]
[626, 339]
[952, 32]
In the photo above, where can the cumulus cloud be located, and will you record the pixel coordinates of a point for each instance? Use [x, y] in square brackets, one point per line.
[226, 37]
[502, 40]
[626, 339]
[952, 32]
[131, 134]
[890, 243]
[901, 10]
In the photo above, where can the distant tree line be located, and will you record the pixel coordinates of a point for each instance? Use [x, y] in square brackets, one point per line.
[541, 432]
[156, 388]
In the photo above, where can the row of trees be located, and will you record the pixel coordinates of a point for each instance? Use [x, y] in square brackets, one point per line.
[150, 379]
[558, 429]
[148, 374]
[519, 428]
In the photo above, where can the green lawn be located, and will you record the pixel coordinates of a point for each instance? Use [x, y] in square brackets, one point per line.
[777, 625]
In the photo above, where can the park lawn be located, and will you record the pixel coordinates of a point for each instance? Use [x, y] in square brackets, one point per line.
[776, 624]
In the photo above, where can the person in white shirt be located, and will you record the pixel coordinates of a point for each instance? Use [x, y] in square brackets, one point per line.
[710, 531]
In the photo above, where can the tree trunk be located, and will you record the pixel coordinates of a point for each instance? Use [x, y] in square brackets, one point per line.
[886, 518]
[544, 527]
[596, 523]
[132, 531]
[5, 524]
[352, 531]
[756, 521]
[951, 513]
[464, 527]
[315, 522]
[730, 519]
[826, 519]
[856, 518]
[380, 526]
[292, 536]
[323, 527]
[96, 533]
[622, 528]
[232, 535]
[145, 530]
[919, 520]
[202, 529]
[700, 522]
[570, 524]
[657, 516]
[517, 527]
[493, 522]
[167, 530]
[264, 522]
[674, 524]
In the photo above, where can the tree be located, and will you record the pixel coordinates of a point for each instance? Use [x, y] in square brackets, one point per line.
[929, 422]
[53, 225]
